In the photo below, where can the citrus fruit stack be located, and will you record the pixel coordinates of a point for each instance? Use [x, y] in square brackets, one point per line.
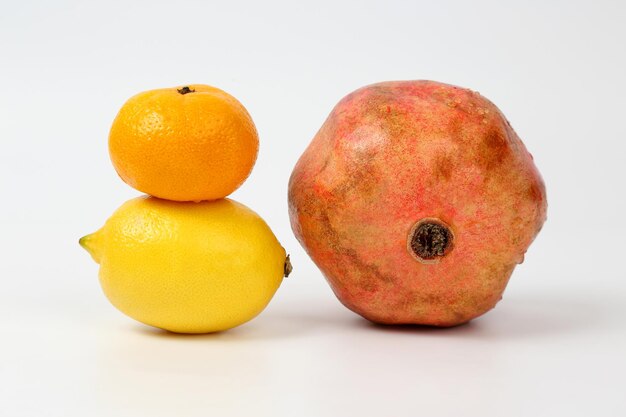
[185, 258]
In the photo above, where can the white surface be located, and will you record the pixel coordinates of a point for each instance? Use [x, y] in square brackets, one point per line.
[553, 347]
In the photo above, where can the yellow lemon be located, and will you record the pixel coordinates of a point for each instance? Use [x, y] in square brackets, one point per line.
[188, 267]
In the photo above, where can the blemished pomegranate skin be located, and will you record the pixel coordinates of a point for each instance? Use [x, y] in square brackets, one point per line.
[416, 200]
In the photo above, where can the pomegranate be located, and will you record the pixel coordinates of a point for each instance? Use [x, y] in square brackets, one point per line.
[416, 200]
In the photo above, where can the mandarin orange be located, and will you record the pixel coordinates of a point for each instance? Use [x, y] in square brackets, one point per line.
[188, 143]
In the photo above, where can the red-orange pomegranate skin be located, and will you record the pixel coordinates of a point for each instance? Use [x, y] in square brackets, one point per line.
[392, 155]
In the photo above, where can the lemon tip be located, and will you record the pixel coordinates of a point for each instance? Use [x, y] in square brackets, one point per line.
[86, 242]
[83, 241]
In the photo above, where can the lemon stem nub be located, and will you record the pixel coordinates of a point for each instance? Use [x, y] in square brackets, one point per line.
[288, 268]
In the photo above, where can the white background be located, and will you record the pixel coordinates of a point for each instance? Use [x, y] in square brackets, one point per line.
[555, 346]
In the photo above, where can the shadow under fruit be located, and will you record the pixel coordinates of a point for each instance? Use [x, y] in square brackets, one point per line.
[416, 200]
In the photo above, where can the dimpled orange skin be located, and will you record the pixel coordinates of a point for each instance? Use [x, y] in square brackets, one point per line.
[392, 154]
[180, 144]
